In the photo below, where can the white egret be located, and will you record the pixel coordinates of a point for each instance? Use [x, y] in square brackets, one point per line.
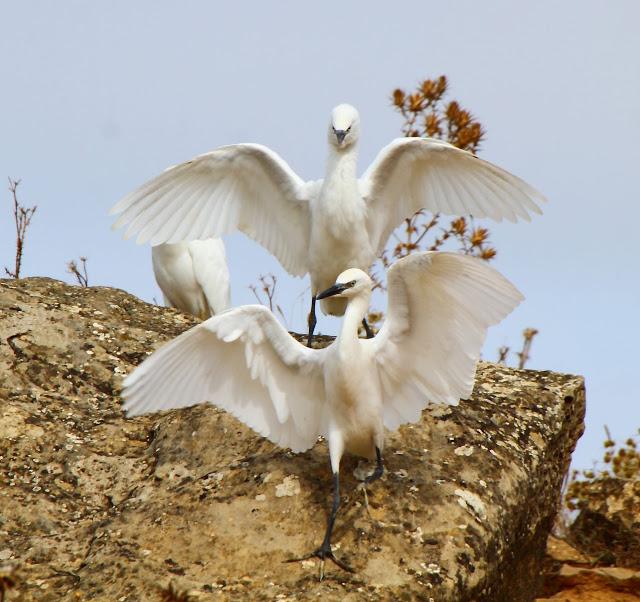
[440, 306]
[321, 227]
[193, 276]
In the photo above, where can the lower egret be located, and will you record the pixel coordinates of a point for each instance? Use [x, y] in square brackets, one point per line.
[439, 309]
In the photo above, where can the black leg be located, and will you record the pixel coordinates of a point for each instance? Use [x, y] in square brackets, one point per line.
[312, 320]
[379, 471]
[326, 544]
[324, 551]
[367, 328]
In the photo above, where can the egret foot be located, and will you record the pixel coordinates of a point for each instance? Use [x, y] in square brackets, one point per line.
[379, 471]
[323, 553]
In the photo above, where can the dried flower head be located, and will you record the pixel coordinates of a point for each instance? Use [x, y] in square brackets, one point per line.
[488, 253]
[416, 102]
[398, 98]
[459, 226]
[478, 237]
[432, 125]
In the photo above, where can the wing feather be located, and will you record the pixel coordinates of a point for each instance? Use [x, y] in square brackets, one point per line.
[424, 173]
[244, 187]
[440, 307]
[245, 362]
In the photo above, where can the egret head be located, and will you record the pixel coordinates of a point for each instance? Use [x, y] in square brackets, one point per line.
[350, 283]
[344, 126]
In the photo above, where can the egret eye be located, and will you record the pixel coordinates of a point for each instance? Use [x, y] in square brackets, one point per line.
[353, 282]
[349, 129]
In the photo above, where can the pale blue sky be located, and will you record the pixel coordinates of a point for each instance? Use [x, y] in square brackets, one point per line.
[97, 97]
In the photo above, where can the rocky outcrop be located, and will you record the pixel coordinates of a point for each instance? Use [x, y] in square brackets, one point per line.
[572, 576]
[97, 507]
[608, 524]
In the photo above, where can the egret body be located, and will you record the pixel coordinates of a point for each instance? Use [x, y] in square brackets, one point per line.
[193, 276]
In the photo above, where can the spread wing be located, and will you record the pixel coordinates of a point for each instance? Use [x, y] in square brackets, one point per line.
[411, 174]
[244, 187]
[245, 362]
[211, 272]
[440, 307]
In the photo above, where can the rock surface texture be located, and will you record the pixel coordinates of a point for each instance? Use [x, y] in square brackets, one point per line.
[97, 507]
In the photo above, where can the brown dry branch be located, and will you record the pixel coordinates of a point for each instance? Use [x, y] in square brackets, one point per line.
[268, 285]
[22, 217]
[523, 356]
[426, 112]
[81, 276]
[621, 461]
[503, 352]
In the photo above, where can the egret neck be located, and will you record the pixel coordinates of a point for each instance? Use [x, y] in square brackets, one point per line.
[339, 198]
[347, 341]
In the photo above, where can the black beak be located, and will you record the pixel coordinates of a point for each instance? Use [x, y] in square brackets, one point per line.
[336, 289]
[340, 135]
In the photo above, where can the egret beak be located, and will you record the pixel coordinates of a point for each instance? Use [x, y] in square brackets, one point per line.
[336, 289]
[340, 135]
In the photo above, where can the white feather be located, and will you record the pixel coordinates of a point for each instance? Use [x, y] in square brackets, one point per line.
[440, 307]
[245, 362]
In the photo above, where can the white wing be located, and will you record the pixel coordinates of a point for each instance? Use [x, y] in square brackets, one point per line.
[244, 187]
[440, 306]
[245, 362]
[211, 272]
[424, 173]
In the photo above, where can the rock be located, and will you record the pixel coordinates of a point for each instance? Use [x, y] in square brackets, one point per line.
[608, 524]
[604, 584]
[98, 507]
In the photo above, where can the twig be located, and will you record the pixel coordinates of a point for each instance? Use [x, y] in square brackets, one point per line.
[524, 355]
[81, 276]
[503, 352]
[269, 283]
[22, 217]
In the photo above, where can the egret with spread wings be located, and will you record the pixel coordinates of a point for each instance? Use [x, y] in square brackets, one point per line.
[321, 227]
[440, 306]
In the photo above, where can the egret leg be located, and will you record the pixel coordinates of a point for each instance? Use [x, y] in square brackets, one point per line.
[312, 320]
[379, 471]
[324, 551]
[367, 328]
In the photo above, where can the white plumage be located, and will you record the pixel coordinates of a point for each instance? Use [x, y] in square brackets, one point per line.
[440, 306]
[326, 226]
[193, 276]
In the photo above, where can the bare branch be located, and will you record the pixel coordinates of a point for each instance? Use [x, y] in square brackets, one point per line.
[503, 352]
[22, 217]
[81, 276]
[268, 284]
[523, 356]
